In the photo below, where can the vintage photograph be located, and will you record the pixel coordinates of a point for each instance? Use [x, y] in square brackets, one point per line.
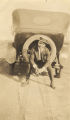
[34, 60]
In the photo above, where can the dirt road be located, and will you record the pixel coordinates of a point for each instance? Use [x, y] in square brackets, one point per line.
[35, 101]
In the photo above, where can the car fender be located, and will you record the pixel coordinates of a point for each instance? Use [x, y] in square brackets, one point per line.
[10, 54]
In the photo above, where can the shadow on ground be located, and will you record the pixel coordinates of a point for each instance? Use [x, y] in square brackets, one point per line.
[4, 69]
[19, 72]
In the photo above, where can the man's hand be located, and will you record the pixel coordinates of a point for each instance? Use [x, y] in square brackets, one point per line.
[36, 69]
[44, 69]
[35, 66]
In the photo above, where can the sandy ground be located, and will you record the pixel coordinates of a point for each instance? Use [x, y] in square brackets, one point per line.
[35, 101]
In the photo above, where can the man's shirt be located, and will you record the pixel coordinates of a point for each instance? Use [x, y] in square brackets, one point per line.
[43, 56]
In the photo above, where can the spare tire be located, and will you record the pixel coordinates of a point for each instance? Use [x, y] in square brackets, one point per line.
[46, 40]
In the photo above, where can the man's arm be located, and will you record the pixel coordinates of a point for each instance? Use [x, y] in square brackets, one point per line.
[32, 56]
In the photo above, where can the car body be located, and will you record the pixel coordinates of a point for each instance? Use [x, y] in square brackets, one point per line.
[30, 25]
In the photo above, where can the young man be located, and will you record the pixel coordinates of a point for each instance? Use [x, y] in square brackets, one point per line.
[40, 58]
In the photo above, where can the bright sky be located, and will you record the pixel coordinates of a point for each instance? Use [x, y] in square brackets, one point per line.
[7, 6]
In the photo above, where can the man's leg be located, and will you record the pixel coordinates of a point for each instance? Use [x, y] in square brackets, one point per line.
[28, 71]
[50, 73]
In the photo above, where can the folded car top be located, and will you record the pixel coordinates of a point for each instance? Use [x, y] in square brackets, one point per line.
[36, 21]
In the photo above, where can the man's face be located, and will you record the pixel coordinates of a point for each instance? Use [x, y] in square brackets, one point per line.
[41, 46]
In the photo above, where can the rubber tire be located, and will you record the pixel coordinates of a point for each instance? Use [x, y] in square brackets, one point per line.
[46, 40]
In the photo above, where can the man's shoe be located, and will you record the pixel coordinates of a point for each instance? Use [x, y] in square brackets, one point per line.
[24, 82]
[52, 86]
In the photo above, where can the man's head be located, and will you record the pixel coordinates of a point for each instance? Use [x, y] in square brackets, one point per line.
[41, 43]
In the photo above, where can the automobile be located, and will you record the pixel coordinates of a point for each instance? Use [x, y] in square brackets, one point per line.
[29, 26]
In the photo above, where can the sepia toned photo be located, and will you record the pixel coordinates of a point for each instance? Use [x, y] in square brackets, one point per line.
[34, 60]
